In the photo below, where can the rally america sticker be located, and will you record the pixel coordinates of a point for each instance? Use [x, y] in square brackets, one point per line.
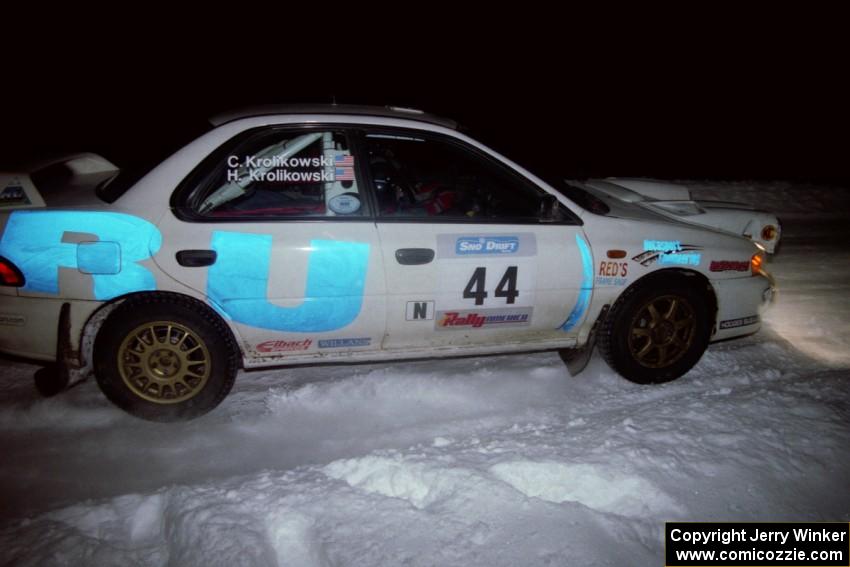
[478, 318]
[472, 245]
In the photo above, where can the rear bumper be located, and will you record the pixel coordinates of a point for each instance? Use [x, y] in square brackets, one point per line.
[740, 303]
[29, 327]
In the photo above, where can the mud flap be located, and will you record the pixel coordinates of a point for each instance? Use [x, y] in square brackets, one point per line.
[54, 378]
[576, 359]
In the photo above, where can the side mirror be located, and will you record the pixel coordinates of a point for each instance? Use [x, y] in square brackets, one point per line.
[548, 210]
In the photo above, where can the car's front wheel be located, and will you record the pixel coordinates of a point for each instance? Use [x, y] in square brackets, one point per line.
[656, 332]
[164, 357]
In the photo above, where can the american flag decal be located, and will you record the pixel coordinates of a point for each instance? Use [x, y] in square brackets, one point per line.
[344, 174]
[344, 161]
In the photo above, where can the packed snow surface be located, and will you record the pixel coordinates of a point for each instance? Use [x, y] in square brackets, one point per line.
[501, 460]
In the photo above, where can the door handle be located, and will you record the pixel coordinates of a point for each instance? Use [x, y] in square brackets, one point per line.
[414, 256]
[196, 258]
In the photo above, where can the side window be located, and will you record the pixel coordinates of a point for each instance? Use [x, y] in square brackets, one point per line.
[425, 178]
[282, 173]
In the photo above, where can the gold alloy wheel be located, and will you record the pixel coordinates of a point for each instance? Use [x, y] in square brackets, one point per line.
[662, 331]
[164, 362]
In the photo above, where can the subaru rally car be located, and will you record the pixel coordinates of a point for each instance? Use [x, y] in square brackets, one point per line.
[675, 200]
[338, 234]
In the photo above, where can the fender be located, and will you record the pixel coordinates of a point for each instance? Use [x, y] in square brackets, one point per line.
[33, 240]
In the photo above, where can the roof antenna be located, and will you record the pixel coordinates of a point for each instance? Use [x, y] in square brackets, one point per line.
[333, 99]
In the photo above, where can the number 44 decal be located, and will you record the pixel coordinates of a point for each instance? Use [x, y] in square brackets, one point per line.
[475, 289]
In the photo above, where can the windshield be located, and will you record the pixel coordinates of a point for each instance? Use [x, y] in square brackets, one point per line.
[582, 197]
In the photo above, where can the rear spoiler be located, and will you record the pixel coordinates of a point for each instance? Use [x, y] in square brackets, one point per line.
[18, 189]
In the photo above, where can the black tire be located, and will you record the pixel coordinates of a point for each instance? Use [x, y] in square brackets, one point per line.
[165, 357]
[650, 349]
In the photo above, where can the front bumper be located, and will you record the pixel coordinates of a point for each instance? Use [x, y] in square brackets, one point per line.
[740, 303]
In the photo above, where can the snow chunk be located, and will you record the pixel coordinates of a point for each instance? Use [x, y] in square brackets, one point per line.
[134, 517]
[595, 486]
[201, 531]
[420, 483]
[294, 538]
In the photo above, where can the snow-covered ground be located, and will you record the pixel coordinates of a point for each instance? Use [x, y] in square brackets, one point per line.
[503, 460]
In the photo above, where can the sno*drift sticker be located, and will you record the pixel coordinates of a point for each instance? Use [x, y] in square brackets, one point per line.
[487, 245]
[466, 245]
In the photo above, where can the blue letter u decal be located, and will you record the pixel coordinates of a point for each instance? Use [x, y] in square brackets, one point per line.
[336, 279]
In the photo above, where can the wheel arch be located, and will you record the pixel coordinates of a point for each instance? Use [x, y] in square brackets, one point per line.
[92, 326]
[691, 277]
[615, 347]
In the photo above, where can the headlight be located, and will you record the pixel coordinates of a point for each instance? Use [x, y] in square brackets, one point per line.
[768, 232]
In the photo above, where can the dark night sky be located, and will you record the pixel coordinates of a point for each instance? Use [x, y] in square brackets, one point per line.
[716, 104]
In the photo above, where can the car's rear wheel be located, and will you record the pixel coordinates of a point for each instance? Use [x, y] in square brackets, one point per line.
[656, 333]
[165, 357]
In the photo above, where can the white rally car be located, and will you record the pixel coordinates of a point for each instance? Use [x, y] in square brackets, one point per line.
[675, 200]
[335, 234]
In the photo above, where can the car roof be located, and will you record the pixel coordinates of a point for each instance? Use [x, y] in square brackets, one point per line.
[335, 109]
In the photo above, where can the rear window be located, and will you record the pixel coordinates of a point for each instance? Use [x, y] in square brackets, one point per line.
[109, 190]
[51, 179]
